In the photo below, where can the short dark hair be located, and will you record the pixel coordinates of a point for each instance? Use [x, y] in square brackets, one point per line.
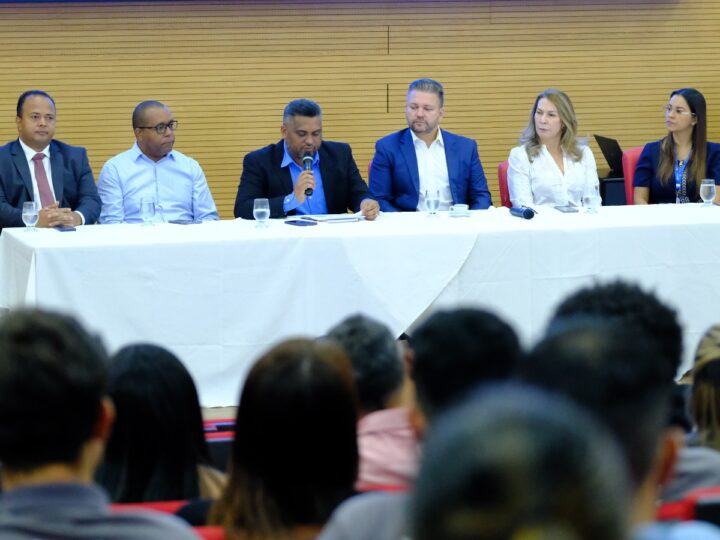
[301, 107]
[612, 370]
[376, 359]
[29, 93]
[52, 382]
[295, 456]
[455, 350]
[428, 85]
[515, 459]
[628, 303]
[138, 116]
[158, 439]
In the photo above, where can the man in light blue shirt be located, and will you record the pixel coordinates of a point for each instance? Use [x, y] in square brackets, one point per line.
[152, 170]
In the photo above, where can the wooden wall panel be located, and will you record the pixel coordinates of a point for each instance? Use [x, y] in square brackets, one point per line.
[227, 67]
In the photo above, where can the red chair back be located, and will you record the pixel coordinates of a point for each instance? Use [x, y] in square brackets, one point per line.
[503, 184]
[210, 533]
[167, 507]
[630, 159]
[687, 508]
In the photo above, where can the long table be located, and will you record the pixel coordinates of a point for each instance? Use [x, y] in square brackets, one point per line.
[220, 293]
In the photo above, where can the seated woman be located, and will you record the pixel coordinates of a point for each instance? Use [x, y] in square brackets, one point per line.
[157, 449]
[551, 167]
[671, 169]
[295, 457]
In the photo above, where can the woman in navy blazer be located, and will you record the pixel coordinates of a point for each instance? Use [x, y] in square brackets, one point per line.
[670, 170]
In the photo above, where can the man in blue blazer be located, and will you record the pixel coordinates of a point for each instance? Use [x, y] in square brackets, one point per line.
[37, 168]
[302, 174]
[422, 159]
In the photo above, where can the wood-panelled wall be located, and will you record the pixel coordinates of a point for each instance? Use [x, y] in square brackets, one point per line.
[227, 67]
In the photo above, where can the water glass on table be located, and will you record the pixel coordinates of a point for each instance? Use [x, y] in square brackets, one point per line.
[30, 215]
[261, 212]
[147, 211]
[592, 201]
[707, 191]
[432, 201]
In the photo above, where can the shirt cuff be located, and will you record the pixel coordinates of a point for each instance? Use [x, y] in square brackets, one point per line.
[82, 218]
[290, 203]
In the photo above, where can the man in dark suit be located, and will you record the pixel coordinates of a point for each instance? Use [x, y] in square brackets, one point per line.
[422, 159]
[302, 174]
[37, 168]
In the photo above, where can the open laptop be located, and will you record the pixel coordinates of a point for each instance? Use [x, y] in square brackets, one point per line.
[613, 154]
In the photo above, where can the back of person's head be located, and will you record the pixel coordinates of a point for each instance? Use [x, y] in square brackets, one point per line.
[158, 441]
[455, 350]
[52, 382]
[295, 454]
[515, 462]
[705, 401]
[631, 306]
[614, 372]
[376, 359]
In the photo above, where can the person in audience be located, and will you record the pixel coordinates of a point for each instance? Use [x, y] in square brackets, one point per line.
[518, 463]
[612, 369]
[294, 458]
[153, 171]
[422, 158]
[55, 417]
[303, 174]
[551, 166]
[387, 443]
[157, 450]
[670, 170]
[452, 352]
[37, 167]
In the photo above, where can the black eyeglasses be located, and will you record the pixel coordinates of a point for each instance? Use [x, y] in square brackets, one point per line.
[160, 128]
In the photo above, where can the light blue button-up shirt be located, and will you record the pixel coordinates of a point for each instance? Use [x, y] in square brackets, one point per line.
[176, 183]
[315, 204]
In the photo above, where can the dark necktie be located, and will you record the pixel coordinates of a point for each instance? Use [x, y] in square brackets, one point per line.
[46, 196]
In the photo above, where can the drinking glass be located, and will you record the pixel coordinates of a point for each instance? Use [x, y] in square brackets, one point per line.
[707, 191]
[261, 212]
[432, 201]
[30, 214]
[591, 200]
[147, 211]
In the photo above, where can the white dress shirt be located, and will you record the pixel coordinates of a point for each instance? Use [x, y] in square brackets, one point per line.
[432, 170]
[541, 182]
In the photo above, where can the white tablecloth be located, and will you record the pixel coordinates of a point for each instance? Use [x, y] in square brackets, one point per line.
[219, 293]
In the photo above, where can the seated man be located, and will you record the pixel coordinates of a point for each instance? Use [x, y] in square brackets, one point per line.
[302, 174]
[422, 158]
[38, 168]
[54, 421]
[152, 170]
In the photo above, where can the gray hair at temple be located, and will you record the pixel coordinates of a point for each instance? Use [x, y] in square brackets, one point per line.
[428, 85]
[138, 116]
[301, 107]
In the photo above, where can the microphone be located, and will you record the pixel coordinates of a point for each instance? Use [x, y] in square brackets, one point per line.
[307, 165]
[522, 212]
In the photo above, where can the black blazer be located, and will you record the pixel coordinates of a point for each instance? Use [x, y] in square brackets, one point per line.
[262, 177]
[72, 180]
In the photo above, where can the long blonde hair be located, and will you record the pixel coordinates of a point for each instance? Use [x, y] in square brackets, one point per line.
[568, 140]
[705, 402]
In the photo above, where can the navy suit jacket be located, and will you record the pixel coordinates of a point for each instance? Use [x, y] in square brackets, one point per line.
[646, 174]
[395, 181]
[262, 177]
[72, 180]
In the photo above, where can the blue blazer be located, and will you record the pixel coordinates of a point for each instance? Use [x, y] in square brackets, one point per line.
[646, 173]
[72, 180]
[262, 177]
[395, 182]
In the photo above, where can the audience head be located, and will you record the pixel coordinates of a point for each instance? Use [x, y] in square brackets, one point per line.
[425, 107]
[35, 119]
[552, 118]
[295, 454]
[705, 403]
[302, 128]
[453, 351]
[686, 112]
[516, 462]
[376, 358]
[154, 128]
[614, 372]
[52, 386]
[630, 305]
[158, 440]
